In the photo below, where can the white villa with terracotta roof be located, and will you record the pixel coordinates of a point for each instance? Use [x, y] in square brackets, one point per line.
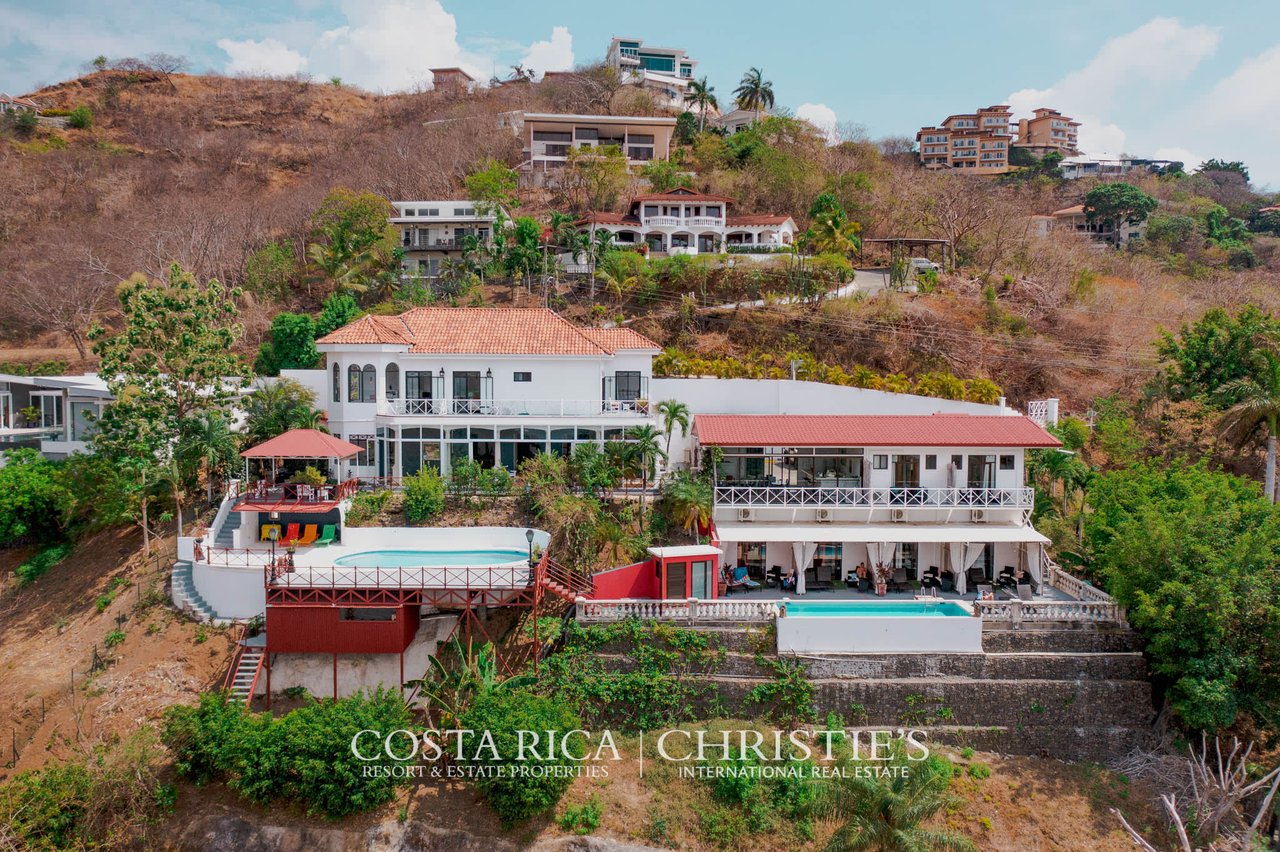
[682, 221]
[433, 386]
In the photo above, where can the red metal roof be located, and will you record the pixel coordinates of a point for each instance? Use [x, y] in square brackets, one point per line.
[870, 430]
[303, 444]
[481, 331]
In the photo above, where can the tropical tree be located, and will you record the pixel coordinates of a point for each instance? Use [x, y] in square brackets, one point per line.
[703, 97]
[833, 234]
[353, 239]
[687, 500]
[617, 276]
[754, 92]
[883, 811]
[1257, 404]
[1118, 204]
[278, 406]
[207, 443]
[646, 443]
[673, 413]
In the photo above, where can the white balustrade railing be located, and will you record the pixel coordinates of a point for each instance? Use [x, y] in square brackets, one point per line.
[691, 609]
[513, 408]
[1017, 611]
[927, 498]
[1074, 586]
[664, 221]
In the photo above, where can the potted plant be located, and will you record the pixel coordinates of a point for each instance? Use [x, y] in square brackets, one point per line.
[31, 415]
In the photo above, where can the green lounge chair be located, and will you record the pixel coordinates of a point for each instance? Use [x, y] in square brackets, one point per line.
[327, 536]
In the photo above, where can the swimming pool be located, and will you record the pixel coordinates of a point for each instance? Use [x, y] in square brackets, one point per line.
[875, 609]
[431, 558]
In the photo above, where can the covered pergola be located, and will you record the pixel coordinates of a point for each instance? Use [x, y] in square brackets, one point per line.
[305, 444]
[905, 247]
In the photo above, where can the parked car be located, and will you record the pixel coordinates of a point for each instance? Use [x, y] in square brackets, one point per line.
[919, 265]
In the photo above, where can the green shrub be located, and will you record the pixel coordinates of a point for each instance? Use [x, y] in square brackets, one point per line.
[46, 806]
[366, 506]
[303, 757]
[502, 713]
[80, 118]
[33, 502]
[979, 771]
[584, 818]
[423, 496]
[41, 562]
[114, 638]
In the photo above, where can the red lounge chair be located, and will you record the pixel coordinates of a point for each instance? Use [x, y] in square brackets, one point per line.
[292, 534]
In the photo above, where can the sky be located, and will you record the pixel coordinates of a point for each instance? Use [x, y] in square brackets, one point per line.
[1173, 79]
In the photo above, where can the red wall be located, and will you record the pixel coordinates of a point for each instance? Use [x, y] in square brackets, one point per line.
[630, 581]
[320, 629]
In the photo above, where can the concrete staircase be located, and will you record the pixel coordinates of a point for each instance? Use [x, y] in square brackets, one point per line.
[229, 526]
[246, 675]
[187, 599]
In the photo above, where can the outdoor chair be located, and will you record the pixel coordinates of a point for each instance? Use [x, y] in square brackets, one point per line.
[976, 576]
[292, 534]
[815, 582]
[1024, 593]
[985, 589]
[773, 577]
[732, 584]
[327, 535]
[948, 584]
[266, 532]
[309, 535]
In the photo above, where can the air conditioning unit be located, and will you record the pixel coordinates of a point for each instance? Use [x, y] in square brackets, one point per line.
[978, 516]
[899, 515]
[824, 516]
[744, 514]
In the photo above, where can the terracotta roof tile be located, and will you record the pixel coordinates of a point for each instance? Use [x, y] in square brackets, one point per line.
[610, 218]
[614, 339]
[870, 430]
[486, 331]
[756, 220]
[681, 195]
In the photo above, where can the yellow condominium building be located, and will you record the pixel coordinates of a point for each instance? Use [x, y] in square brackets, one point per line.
[977, 141]
[1048, 130]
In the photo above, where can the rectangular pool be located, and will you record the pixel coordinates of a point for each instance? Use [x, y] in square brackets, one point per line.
[878, 627]
[875, 609]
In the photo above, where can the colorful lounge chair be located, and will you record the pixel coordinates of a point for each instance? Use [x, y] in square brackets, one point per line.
[327, 536]
[292, 534]
[266, 531]
[309, 534]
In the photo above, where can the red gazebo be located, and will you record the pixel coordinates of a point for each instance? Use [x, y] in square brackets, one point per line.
[295, 497]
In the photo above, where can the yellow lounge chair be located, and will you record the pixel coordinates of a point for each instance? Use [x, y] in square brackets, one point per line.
[266, 531]
[309, 534]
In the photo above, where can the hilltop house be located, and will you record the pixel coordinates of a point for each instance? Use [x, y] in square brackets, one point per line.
[548, 137]
[682, 221]
[452, 81]
[1048, 131]
[1075, 219]
[433, 386]
[431, 231]
[55, 414]
[978, 140]
[10, 103]
[663, 72]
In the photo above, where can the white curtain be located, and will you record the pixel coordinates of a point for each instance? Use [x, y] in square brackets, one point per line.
[955, 559]
[881, 553]
[802, 552]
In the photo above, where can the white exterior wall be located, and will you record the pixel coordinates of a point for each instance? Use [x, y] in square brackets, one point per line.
[858, 634]
[232, 592]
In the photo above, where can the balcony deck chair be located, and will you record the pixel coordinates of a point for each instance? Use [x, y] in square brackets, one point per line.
[820, 582]
[1024, 593]
[309, 535]
[740, 575]
[985, 589]
[292, 534]
[266, 532]
[327, 535]
[731, 584]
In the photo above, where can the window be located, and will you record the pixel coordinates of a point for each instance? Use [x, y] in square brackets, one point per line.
[957, 462]
[1006, 463]
[337, 383]
[522, 377]
[417, 384]
[84, 418]
[366, 456]
[393, 381]
[466, 384]
[550, 136]
[369, 384]
[353, 383]
[879, 462]
[627, 384]
[352, 613]
[588, 134]
[930, 462]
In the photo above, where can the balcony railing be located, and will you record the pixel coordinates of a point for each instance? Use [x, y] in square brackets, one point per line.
[925, 498]
[513, 408]
[683, 221]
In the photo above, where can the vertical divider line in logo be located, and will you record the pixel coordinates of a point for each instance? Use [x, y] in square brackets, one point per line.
[641, 753]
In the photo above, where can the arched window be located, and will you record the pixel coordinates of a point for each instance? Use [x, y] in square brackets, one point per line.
[353, 383]
[337, 383]
[393, 381]
[369, 387]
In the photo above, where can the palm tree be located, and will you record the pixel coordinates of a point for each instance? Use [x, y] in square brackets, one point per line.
[884, 814]
[703, 97]
[754, 92]
[646, 442]
[688, 498]
[674, 413]
[208, 442]
[1257, 404]
[616, 277]
[835, 234]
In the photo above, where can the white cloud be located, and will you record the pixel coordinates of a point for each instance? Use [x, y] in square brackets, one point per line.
[553, 55]
[1161, 51]
[269, 56]
[1250, 94]
[1190, 161]
[822, 117]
